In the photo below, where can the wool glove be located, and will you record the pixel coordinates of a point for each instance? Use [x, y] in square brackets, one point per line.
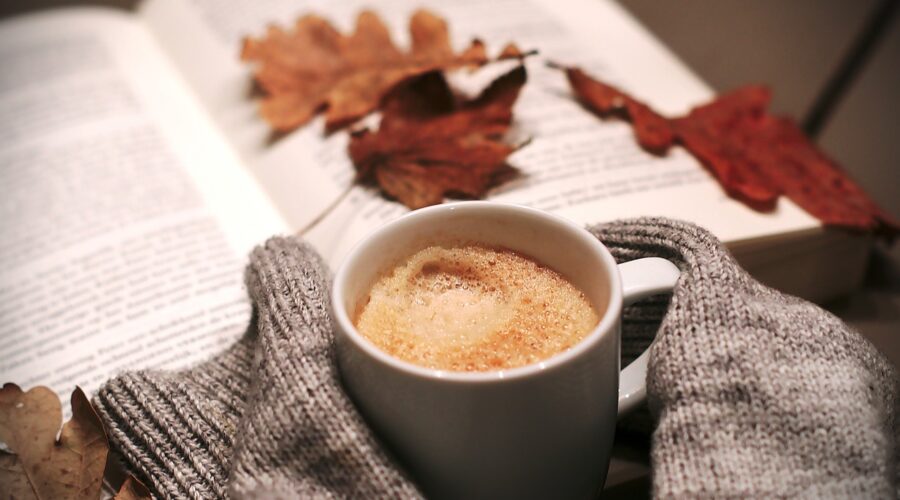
[268, 418]
[754, 393]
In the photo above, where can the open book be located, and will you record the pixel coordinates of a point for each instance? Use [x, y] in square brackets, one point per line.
[137, 173]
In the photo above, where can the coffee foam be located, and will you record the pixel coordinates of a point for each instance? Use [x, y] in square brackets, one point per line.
[473, 308]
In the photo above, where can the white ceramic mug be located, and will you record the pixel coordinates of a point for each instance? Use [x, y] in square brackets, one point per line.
[539, 431]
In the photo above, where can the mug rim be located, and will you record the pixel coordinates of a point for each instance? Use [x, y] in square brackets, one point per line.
[604, 327]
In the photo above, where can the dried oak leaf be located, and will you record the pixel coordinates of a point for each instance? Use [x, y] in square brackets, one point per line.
[763, 156]
[314, 67]
[40, 466]
[755, 156]
[431, 143]
[722, 136]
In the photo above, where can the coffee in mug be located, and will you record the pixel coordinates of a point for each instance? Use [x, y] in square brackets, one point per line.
[541, 430]
[471, 307]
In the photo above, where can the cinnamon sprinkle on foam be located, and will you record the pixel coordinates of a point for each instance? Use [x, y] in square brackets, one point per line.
[473, 308]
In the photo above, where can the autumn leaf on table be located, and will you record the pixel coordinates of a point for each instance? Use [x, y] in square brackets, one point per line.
[431, 143]
[314, 67]
[755, 156]
[40, 466]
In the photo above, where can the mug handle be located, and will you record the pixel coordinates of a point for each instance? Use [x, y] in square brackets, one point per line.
[641, 278]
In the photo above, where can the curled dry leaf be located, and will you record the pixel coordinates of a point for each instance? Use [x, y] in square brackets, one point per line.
[40, 466]
[431, 143]
[755, 156]
[314, 67]
[653, 132]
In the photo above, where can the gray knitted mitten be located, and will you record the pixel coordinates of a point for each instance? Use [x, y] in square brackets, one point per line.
[266, 419]
[756, 394]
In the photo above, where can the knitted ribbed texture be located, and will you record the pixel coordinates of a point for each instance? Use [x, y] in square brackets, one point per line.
[176, 430]
[756, 394]
[266, 419]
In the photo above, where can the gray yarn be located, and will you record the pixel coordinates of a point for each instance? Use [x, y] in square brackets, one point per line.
[265, 419]
[754, 393]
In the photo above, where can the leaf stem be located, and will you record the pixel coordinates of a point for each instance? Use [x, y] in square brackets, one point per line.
[313, 223]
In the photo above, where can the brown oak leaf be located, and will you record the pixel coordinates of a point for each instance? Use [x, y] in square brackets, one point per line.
[755, 156]
[42, 466]
[314, 67]
[431, 143]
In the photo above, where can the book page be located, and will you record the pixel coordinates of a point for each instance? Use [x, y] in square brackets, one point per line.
[297, 171]
[576, 165]
[125, 219]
